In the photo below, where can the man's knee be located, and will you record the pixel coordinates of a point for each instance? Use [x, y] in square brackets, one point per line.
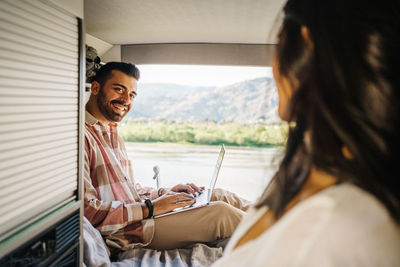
[225, 218]
[218, 194]
[224, 211]
[220, 205]
[231, 198]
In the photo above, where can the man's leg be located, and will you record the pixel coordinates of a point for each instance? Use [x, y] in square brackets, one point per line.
[206, 224]
[230, 198]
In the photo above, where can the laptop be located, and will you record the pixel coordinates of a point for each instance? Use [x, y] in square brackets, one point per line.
[204, 198]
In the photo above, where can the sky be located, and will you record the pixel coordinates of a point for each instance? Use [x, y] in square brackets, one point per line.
[200, 75]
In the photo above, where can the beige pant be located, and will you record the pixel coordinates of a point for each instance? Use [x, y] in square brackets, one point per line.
[206, 224]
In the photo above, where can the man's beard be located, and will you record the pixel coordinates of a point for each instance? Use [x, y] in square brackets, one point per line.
[106, 108]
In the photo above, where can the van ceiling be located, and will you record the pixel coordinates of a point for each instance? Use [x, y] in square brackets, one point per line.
[122, 22]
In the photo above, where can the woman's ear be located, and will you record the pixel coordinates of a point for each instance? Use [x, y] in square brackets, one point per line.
[346, 153]
[305, 33]
[95, 88]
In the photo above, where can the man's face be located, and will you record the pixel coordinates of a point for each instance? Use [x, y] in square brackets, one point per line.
[115, 97]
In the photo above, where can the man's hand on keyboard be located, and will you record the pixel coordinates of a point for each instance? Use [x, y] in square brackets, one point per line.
[188, 188]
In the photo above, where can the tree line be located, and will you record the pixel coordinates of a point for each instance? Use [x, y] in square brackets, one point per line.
[205, 133]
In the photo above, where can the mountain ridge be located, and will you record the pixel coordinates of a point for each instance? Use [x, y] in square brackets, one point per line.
[246, 101]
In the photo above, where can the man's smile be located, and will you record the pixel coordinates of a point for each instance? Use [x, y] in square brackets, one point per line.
[119, 108]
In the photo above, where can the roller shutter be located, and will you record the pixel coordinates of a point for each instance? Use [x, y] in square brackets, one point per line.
[39, 114]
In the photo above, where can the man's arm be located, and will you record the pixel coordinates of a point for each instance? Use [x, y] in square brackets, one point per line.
[109, 217]
[112, 216]
[147, 192]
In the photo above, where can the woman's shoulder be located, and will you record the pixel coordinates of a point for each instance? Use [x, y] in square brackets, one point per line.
[344, 212]
[338, 226]
[354, 226]
[350, 206]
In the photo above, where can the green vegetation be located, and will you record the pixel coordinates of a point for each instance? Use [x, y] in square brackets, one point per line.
[205, 133]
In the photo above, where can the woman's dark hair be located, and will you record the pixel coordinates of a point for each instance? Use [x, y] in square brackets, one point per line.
[105, 72]
[347, 96]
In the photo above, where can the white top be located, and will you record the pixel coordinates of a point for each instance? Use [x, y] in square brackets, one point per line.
[339, 226]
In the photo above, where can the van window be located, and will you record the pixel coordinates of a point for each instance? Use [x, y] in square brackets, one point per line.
[181, 115]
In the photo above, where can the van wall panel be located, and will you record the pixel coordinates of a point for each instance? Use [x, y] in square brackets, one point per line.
[34, 27]
[6, 44]
[27, 84]
[30, 151]
[35, 15]
[60, 16]
[36, 59]
[39, 110]
[9, 109]
[38, 174]
[32, 204]
[33, 92]
[21, 191]
[8, 26]
[19, 170]
[12, 118]
[35, 136]
[27, 66]
[37, 43]
[36, 76]
[27, 125]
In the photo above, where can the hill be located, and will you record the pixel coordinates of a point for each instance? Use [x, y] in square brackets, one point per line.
[247, 101]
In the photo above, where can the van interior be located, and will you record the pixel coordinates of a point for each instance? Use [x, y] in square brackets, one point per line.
[43, 91]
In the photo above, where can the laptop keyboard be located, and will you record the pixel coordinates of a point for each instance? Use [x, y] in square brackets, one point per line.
[201, 199]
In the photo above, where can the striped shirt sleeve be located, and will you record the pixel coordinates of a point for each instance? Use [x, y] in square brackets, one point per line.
[107, 216]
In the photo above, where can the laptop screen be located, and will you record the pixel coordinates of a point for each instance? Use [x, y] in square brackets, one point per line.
[217, 167]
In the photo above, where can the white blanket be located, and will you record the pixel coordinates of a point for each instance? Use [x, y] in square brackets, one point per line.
[96, 253]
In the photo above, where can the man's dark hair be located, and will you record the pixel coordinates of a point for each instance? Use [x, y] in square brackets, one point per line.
[105, 72]
[348, 96]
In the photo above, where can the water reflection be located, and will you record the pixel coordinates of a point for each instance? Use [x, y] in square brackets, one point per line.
[245, 171]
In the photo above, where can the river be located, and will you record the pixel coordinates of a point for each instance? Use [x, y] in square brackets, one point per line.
[245, 171]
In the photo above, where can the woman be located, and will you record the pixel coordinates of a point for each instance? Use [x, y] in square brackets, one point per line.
[334, 200]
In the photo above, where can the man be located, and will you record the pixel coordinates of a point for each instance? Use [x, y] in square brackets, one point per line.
[118, 207]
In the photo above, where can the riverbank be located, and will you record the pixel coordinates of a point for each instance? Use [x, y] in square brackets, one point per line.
[205, 133]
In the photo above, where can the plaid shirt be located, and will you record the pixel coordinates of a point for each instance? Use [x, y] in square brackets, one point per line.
[112, 199]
